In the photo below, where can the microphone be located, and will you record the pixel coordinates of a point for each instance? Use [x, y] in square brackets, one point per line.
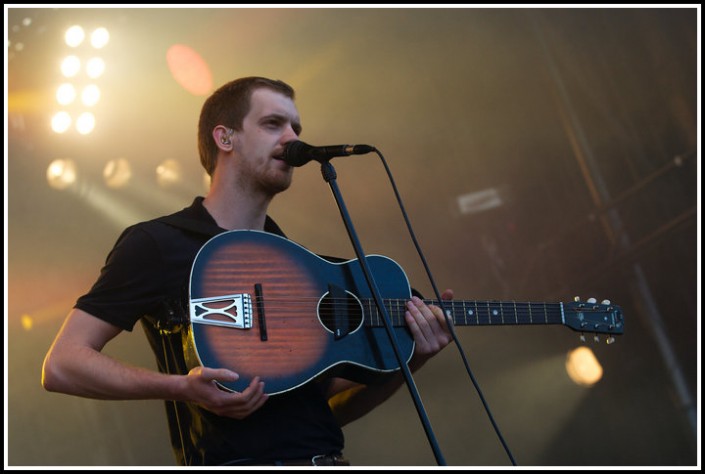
[298, 153]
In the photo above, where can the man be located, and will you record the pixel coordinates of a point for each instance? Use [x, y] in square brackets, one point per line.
[244, 128]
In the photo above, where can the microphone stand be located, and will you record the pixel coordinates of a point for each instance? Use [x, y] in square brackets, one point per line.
[330, 176]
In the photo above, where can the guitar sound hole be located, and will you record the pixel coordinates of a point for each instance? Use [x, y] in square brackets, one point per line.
[340, 314]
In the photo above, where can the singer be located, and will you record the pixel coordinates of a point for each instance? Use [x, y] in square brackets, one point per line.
[248, 141]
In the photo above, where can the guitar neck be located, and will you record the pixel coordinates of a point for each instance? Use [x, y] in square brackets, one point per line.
[604, 318]
[475, 313]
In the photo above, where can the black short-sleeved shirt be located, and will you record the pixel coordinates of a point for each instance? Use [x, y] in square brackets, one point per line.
[145, 278]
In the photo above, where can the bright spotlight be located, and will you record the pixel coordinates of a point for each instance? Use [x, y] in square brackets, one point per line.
[65, 93]
[168, 173]
[583, 367]
[27, 322]
[117, 173]
[74, 36]
[90, 95]
[60, 122]
[85, 123]
[70, 66]
[95, 67]
[81, 63]
[61, 173]
[99, 38]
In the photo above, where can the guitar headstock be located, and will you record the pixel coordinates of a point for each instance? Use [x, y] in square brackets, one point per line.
[591, 317]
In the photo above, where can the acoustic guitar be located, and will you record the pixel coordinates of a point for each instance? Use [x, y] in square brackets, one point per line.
[262, 305]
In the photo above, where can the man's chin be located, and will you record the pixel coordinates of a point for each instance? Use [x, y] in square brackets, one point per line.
[279, 186]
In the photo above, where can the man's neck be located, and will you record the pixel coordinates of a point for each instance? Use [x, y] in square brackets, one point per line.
[236, 212]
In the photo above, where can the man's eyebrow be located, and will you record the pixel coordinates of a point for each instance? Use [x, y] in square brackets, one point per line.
[295, 124]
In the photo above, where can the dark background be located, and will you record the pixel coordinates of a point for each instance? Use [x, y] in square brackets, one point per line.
[585, 122]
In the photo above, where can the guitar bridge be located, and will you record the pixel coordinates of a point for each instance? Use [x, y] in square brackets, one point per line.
[233, 311]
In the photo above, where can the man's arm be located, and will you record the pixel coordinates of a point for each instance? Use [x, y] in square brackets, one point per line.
[75, 365]
[350, 401]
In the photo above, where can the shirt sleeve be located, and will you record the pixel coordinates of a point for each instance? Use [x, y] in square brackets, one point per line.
[125, 289]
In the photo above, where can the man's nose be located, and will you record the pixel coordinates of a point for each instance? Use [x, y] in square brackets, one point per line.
[290, 134]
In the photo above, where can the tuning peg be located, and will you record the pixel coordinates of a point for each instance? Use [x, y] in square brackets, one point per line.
[606, 302]
[576, 299]
[596, 338]
[610, 340]
[582, 337]
[592, 300]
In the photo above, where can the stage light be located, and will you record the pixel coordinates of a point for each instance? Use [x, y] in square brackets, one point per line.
[583, 367]
[95, 67]
[99, 37]
[60, 122]
[27, 322]
[80, 65]
[65, 94]
[85, 123]
[61, 173]
[117, 173]
[74, 36]
[90, 95]
[70, 66]
[168, 173]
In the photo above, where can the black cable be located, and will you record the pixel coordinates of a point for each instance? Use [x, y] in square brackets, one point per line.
[445, 311]
[166, 342]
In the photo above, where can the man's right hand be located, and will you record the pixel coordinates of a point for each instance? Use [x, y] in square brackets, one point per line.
[208, 394]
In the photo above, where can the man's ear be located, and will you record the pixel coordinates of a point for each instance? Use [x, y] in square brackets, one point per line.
[222, 136]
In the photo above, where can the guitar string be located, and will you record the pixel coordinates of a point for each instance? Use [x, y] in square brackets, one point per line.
[478, 306]
[483, 312]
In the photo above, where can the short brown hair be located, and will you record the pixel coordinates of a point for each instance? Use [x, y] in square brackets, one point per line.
[228, 106]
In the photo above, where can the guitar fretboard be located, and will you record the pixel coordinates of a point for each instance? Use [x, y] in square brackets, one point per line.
[473, 313]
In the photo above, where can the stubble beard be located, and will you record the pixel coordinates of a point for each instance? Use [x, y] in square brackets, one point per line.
[271, 183]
